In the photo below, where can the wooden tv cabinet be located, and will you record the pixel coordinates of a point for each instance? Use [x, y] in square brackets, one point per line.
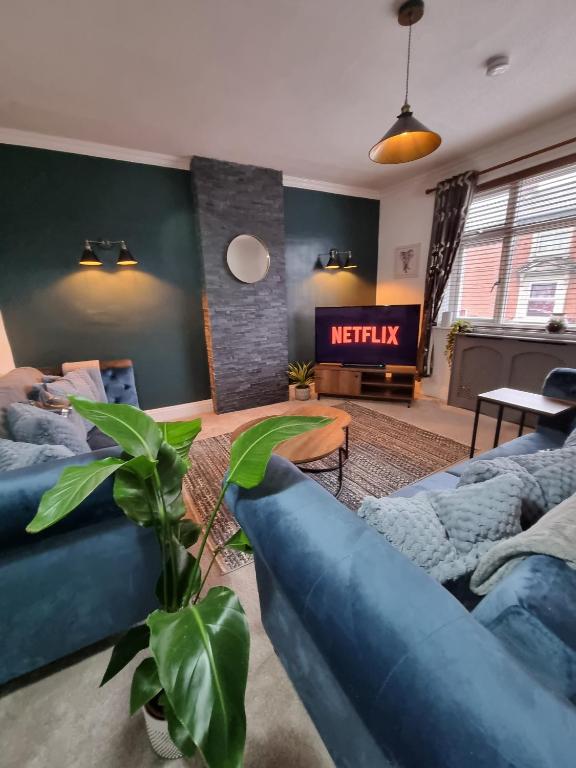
[392, 382]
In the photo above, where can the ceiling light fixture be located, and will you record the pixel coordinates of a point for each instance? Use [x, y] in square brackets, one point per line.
[497, 65]
[408, 139]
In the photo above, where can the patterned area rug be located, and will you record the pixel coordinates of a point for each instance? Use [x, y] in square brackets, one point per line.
[385, 454]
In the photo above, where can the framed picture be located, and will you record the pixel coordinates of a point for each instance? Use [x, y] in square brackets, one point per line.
[407, 260]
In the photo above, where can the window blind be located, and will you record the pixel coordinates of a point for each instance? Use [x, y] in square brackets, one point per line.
[517, 260]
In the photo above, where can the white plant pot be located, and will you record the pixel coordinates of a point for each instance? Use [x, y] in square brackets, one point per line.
[160, 740]
[302, 393]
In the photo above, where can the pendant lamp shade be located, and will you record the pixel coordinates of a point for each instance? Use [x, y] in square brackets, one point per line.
[89, 258]
[407, 140]
[333, 262]
[125, 258]
[349, 263]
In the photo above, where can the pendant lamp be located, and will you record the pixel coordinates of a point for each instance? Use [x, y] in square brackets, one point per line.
[408, 139]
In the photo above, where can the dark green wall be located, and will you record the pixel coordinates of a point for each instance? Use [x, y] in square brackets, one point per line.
[316, 222]
[55, 310]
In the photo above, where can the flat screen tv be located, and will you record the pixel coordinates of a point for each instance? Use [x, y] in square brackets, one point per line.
[371, 336]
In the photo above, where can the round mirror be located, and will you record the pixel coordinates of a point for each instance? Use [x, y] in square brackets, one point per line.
[248, 258]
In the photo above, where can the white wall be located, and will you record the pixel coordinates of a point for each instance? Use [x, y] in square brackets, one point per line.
[406, 215]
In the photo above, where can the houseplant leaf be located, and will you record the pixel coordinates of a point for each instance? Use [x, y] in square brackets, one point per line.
[178, 733]
[202, 657]
[171, 470]
[131, 643]
[181, 434]
[135, 497]
[145, 684]
[185, 563]
[133, 430]
[188, 532]
[73, 486]
[251, 451]
[240, 542]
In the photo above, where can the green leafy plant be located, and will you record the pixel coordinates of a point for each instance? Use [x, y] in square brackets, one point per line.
[301, 374]
[458, 326]
[198, 640]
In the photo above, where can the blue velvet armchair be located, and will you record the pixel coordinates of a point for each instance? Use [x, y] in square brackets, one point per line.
[91, 576]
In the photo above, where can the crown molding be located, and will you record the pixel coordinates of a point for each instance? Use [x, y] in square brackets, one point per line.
[90, 148]
[328, 186]
[94, 149]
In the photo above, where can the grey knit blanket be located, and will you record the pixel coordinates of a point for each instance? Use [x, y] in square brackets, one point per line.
[553, 535]
[446, 532]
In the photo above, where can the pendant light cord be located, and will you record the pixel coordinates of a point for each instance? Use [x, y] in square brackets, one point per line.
[408, 62]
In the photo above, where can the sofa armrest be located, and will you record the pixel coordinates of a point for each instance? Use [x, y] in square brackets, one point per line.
[431, 685]
[22, 489]
[560, 384]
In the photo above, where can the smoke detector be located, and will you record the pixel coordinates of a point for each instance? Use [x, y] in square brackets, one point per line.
[497, 65]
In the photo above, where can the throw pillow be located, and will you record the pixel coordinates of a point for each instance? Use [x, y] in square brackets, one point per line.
[487, 512]
[82, 383]
[14, 455]
[15, 387]
[548, 477]
[446, 532]
[29, 424]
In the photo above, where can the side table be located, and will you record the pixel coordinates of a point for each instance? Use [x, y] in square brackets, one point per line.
[525, 402]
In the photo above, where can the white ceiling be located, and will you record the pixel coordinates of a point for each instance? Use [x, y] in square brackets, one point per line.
[305, 86]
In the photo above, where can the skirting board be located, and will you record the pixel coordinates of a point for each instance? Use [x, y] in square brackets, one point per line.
[182, 411]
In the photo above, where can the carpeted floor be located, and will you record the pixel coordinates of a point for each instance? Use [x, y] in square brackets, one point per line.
[385, 455]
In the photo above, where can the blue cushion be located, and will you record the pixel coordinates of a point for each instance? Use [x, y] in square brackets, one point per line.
[533, 612]
[120, 385]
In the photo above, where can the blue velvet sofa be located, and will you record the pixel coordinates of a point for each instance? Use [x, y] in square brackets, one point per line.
[395, 671]
[89, 577]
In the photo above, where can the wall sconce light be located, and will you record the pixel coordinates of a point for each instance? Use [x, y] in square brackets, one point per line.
[335, 261]
[90, 259]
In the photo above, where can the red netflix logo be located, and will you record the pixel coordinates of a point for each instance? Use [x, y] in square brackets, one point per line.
[365, 334]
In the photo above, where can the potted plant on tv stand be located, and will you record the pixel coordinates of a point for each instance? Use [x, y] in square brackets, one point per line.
[302, 375]
[193, 680]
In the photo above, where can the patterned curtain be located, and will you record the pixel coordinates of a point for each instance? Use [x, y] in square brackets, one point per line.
[453, 198]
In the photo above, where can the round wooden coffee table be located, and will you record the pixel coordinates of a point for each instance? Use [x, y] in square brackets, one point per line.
[314, 445]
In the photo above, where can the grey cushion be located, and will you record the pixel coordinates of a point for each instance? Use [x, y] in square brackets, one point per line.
[82, 383]
[14, 455]
[549, 477]
[446, 532]
[30, 424]
[15, 387]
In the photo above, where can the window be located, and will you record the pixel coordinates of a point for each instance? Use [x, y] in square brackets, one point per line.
[517, 260]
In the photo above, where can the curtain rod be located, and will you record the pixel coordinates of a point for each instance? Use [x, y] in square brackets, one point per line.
[516, 160]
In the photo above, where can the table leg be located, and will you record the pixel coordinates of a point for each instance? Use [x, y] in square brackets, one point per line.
[522, 419]
[498, 425]
[475, 428]
[340, 471]
[346, 431]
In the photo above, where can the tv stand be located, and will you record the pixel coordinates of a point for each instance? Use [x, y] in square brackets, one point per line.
[391, 382]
